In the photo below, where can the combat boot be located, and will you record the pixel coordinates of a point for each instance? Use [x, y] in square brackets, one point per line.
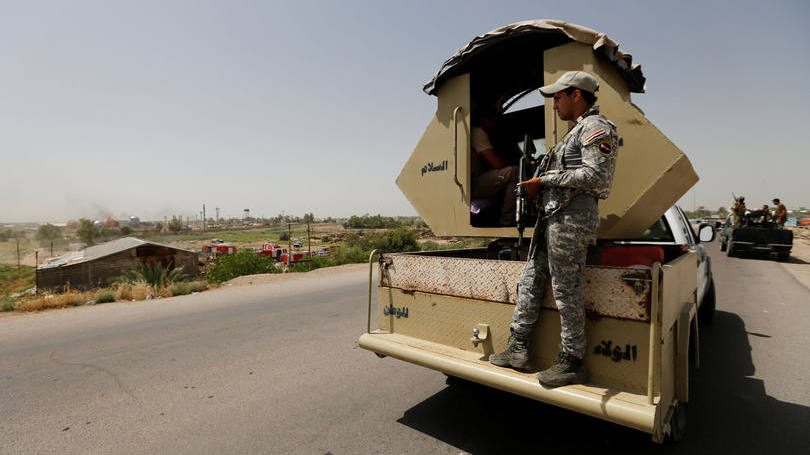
[516, 354]
[567, 369]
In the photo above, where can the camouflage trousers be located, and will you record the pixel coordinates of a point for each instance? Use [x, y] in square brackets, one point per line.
[558, 253]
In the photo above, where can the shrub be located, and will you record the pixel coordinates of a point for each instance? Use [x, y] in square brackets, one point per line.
[371, 222]
[155, 276]
[284, 236]
[244, 262]
[315, 263]
[198, 286]
[397, 240]
[123, 292]
[180, 288]
[132, 291]
[105, 296]
[140, 291]
[360, 240]
[430, 246]
[6, 304]
[188, 287]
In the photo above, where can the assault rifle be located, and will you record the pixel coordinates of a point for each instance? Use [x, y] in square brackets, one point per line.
[523, 211]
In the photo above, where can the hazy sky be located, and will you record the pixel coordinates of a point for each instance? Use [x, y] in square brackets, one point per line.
[154, 108]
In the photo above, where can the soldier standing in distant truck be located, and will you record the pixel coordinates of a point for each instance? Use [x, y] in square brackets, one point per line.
[578, 173]
[738, 211]
[779, 213]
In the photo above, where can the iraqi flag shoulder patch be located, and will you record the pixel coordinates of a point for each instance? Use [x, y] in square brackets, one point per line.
[595, 136]
[605, 149]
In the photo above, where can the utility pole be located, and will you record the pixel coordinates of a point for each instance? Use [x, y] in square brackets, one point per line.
[203, 226]
[18, 252]
[289, 245]
[309, 247]
[217, 216]
[36, 272]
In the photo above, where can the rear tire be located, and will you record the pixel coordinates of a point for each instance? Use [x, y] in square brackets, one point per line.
[722, 246]
[783, 256]
[707, 306]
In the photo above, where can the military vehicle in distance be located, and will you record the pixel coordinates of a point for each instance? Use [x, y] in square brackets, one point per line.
[449, 310]
[757, 236]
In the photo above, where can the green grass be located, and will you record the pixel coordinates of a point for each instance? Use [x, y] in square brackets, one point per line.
[13, 280]
[187, 287]
[236, 236]
[105, 296]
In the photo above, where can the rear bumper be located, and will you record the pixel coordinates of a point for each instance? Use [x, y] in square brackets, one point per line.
[614, 405]
[762, 247]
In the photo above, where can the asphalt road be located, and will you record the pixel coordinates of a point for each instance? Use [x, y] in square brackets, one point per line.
[276, 369]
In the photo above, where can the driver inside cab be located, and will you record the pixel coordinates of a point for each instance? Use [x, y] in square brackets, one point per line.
[491, 175]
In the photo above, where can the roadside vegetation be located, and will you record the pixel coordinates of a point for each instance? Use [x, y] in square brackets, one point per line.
[155, 276]
[243, 262]
[14, 280]
[144, 283]
[354, 241]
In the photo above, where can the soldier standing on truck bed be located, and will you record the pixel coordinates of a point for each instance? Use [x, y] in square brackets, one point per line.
[576, 174]
[738, 211]
[779, 214]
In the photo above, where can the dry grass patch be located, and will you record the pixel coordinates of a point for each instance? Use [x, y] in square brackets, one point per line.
[132, 291]
[66, 299]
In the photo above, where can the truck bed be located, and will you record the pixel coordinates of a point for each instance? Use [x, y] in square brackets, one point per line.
[429, 303]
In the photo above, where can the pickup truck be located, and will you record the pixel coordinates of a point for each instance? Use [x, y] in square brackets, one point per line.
[645, 289]
[755, 238]
[449, 310]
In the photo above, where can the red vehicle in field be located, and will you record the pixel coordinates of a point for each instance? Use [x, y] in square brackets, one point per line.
[218, 249]
[273, 250]
[279, 253]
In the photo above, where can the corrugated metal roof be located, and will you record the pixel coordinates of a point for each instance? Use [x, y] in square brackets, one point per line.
[105, 249]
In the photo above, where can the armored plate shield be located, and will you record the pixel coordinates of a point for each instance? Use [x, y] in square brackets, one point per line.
[651, 172]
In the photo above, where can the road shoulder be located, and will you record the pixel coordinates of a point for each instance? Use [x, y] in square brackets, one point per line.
[799, 263]
[268, 278]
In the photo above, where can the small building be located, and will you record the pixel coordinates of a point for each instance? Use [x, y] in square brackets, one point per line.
[100, 264]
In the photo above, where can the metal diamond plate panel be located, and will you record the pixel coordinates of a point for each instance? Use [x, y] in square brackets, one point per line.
[607, 291]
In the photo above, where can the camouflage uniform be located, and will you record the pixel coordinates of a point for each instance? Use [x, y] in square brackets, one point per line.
[780, 215]
[738, 211]
[579, 171]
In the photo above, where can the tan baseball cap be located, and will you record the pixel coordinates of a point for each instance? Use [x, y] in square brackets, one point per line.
[576, 79]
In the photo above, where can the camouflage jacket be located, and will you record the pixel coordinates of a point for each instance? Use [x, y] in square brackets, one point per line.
[780, 213]
[582, 163]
